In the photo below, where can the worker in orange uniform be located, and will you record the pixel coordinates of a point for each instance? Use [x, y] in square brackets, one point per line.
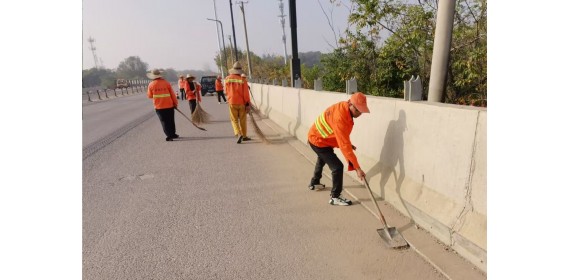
[332, 130]
[220, 90]
[193, 90]
[238, 98]
[181, 86]
[164, 100]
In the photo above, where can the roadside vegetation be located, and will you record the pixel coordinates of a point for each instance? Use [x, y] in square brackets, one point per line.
[385, 42]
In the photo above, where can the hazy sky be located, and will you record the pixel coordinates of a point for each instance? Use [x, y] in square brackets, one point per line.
[176, 34]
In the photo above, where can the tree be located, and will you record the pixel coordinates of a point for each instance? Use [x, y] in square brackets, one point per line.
[132, 68]
[393, 40]
[98, 78]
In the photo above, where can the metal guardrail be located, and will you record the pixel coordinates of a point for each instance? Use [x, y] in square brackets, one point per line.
[91, 95]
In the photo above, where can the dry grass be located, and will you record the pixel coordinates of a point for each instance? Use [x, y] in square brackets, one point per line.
[200, 116]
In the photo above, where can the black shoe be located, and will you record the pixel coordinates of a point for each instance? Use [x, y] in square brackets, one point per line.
[175, 136]
[246, 138]
[168, 138]
[239, 139]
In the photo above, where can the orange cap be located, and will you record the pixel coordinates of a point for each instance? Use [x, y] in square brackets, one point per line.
[358, 99]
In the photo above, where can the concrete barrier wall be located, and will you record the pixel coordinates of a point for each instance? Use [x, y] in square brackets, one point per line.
[429, 160]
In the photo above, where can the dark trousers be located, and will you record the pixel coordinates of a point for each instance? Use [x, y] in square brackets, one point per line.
[166, 117]
[182, 94]
[192, 103]
[327, 155]
[221, 95]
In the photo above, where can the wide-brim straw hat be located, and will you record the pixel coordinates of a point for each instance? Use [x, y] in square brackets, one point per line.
[190, 76]
[236, 69]
[154, 74]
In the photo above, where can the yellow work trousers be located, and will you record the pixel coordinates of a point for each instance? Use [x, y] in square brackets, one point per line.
[238, 118]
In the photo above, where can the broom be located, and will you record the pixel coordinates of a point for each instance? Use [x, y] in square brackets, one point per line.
[258, 131]
[200, 128]
[253, 106]
[200, 116]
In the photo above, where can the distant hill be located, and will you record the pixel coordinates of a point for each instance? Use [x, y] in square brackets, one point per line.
[198, 73]
[308, 58]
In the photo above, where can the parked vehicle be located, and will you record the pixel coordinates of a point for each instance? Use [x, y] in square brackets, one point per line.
[208, 84]
[122, 83]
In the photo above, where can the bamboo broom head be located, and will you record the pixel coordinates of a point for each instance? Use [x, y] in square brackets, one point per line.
[200, 116]
[257, 130]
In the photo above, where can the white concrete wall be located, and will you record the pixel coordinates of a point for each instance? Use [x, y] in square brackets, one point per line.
[427, 159]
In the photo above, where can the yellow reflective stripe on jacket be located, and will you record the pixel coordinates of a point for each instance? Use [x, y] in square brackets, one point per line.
[161, 95]
[240, 81]
[323, 127]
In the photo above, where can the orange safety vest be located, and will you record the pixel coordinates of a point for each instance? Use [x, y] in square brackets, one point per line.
[162, 94]
[332, 129]
[181, 83]
[237, 90]
[219, 86]
[195, 94]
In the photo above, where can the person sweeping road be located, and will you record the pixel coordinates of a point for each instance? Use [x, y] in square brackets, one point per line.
[165, 101]
[192, 90]
[238, 99]
[332, 130]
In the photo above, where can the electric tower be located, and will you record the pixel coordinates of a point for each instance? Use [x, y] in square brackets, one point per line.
[282, 20]
[92, 48]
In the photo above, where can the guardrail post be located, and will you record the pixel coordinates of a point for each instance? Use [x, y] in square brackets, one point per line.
[318, 84]
[351, 86]
[298, 83]
[416, 89]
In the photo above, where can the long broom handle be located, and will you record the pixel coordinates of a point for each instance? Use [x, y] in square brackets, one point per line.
[200, 128]
[376, 203]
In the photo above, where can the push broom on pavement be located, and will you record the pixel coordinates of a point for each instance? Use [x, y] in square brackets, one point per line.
[200, 116]
[255, 110]
[256, 128]
[200, 128]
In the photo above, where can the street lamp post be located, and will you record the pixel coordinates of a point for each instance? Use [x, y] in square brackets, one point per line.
[223, 43]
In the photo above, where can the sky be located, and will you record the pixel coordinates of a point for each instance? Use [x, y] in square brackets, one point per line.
[41, 62]
[176, 33]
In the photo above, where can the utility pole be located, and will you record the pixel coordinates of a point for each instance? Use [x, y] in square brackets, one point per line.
[283, 38]
[222, 54]
[441, 49]
[218, 37]
[234, 31]
[231, 50]
[92, 48]
[295, 62]
[246, 40]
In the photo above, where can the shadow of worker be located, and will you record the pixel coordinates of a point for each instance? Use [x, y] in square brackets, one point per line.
[392, 154]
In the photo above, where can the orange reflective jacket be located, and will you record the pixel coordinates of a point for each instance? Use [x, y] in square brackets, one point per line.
[219, 86]
[332, 129]
[182, 83]
[162, 94]
[193, 94]
[236, 90]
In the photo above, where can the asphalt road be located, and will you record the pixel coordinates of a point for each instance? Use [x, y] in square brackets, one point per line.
[204, 207]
